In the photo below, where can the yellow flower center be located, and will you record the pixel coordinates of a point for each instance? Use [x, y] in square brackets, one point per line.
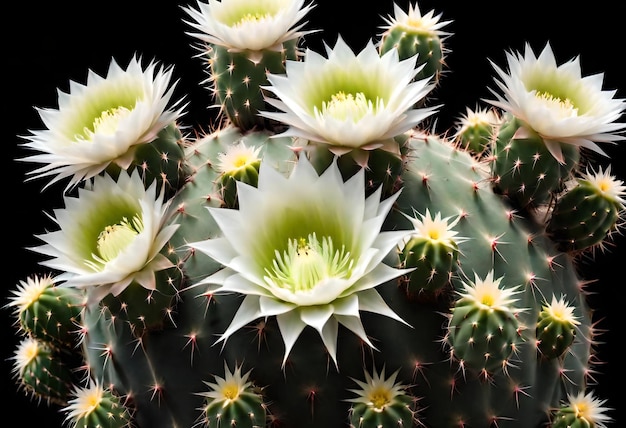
[344, 106]
[31, 294]
[434, 234]
[30, 351]
[605, 185]
[230, 391]
[108, 122]
[307, 262]
[380, 397]
[251, 17]
[565, 107]
[92, 401]
[237, 157]
[488, 300]
[582, 410]
[115, 238]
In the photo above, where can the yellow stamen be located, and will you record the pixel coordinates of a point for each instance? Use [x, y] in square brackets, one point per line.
[115, 238]
[565, 106]
[344, 106]
[380, 397]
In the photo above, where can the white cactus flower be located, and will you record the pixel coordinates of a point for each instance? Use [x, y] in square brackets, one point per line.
[436, 229]
[487, 294]
[29, 291]
[85, 400]
[109, 236]
[475, 118]
[607, 185]
[378, 391]
[103, 122]
[589, 410]
[228, 389]
[350, 102]
[248, 25]
[306, 249]
[559, 309]
[237, 157]
[414, 21]
[28, 350]
[557, 103]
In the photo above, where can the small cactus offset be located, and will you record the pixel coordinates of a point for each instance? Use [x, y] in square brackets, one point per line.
[320, 256]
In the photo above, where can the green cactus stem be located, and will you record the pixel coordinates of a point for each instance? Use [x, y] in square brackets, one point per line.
[556, 328]
[238, 78]
[46, 311]
[381, 402]
[433, 251]
[233, 401]
[525, 170]
[42, 371]
[96, 407]
[483, 328]
[585, 215]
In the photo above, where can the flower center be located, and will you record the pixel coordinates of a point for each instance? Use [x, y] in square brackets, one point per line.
[307, 262]
[237, 157]
[488, 300]
[231, 391]
[379, 398]
[250, 17]
[344, 106]
[115, 238]
[92, 401]
[434, 234]
[108, 122]
[30, 352]
[565, 107]
[582, 411]
[605, 185]
[31, 294]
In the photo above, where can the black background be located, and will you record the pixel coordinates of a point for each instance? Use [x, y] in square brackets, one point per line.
[46, 44]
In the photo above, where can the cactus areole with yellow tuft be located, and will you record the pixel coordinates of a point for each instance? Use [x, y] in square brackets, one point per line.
[319, 257]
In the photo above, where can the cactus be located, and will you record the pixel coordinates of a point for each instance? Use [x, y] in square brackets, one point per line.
[319, 257]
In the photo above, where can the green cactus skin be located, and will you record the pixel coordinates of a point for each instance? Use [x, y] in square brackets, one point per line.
[238, 76]
[434, 264]
[426, 44]
[162, 159]
[567, 419]
[246, 412]
[477, 138]
[382, 168]
[145, 309]
[482, 338]
[525, 170]
[42, 371]
[163, 370]
[248, 174]
[583, 217]
[398, 415]
[554, 335]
